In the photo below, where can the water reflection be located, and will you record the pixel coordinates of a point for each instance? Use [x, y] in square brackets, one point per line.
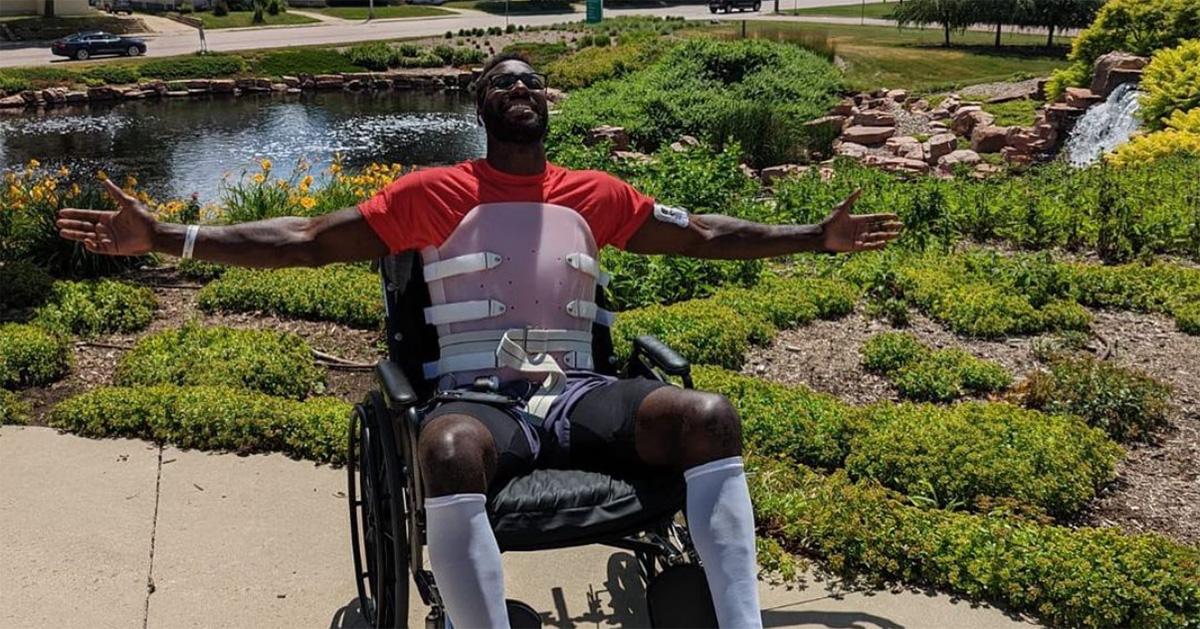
[178, 147]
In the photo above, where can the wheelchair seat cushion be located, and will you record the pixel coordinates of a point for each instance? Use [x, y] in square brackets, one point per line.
[551, 508]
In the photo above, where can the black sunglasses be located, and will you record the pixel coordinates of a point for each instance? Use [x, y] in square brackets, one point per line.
[532, 80]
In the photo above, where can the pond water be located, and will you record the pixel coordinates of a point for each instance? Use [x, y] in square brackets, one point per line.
[178, 147]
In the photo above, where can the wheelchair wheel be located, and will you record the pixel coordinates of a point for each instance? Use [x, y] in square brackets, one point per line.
[378, 523]
[679, 597]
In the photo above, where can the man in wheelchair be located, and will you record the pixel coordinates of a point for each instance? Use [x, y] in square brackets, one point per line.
[509, 248]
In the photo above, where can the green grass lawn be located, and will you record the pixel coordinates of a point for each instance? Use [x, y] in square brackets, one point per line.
[515, 7]
[404, 10]
[237, 19]
[877, 10]
[1014, 113]
[911, 58]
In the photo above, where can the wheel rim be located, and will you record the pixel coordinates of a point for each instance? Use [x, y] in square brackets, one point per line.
[81, 55]
[133, 51]
[376, 584]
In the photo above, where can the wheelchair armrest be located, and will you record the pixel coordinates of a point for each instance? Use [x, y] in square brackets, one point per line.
[663, 357]
[397, 390]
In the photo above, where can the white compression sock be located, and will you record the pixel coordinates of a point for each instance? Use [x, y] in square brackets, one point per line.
[721, 522]
[465, 559]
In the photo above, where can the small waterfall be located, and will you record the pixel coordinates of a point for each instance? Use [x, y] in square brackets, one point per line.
[1104, 127]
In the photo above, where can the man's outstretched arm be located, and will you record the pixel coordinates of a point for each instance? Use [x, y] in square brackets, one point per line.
[342, 236]
[724, 237]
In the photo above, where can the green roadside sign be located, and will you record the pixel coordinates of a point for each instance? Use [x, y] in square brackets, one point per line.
[595, 9]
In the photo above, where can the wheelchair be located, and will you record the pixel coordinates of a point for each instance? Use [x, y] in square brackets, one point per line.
[546, 509]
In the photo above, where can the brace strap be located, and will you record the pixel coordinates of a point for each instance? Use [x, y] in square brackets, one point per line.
[460, 311]
[469, 263]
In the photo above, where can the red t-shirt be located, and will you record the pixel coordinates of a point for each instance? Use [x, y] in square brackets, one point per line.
[424, 207]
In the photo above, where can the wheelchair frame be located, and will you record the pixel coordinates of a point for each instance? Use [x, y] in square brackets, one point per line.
[384, 486]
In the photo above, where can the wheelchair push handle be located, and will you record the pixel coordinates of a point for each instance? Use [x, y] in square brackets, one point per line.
[663, 357]
[397, 390]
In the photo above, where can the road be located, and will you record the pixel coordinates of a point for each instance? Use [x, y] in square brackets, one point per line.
[180, 42]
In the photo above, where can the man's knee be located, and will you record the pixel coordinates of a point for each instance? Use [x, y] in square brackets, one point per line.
[456, 454]
[713, 426]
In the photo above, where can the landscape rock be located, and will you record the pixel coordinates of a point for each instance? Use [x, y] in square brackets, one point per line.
[905, 146]
[633, 156]
[874, 118]
[919, 105]
[1027, 140]
[868, 136]
[290, 81]
[617, 136]
[136, 94]
[1113, 69]
[1080, 97]
[176, 93]
[555, 96]
[959, 157]
[967, 117]
[1061, 116]
[989, 139]
[104, 92]
[983, 171]
[845, 108]
[1015, 156]
[198, 84]
[330, 82]
[898, 96]
[897, 164]
[940, 145]
[831, 125]
[77, 96]
[12, 102]
[56, 95]
[773, 173]
[849, 149]
[222, 86]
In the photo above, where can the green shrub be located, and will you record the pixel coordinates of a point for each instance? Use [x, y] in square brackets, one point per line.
[372, 56]
[1065, 315]
[592, 65]
[987, 312]
[14, 84]
[193, 67]
[1171, 83]
[211, 418]
[1126, 404]
[302, 61]
[781, 310]
[927, 375]
[787, 422]
[259, 360]
[463, 56]
[24, 285]
[95, 307]
[955, 455]
[1070, 577]
[113, 74]
[701, 331]
[221, 8]
[13, 410]
[1187, 318]
[833, 298]
[194, 269]
[888, 352]
[539, 54]
[1137, 26]
[753, 93]
[340, 293]
[31, 355]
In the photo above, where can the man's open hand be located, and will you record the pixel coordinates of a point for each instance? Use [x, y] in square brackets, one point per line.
[127, 232]
[844, 232]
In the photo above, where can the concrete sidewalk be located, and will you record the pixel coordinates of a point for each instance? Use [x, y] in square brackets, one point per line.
[122, 533]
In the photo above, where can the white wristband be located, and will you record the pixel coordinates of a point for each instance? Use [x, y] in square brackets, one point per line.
[189, 241]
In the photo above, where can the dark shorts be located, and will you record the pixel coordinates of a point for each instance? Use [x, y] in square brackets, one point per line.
[589, 427]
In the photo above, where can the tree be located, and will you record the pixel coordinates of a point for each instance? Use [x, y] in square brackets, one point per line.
[258, 7]
[1001, 12]
[1055, 15]
[49, 9]
[952, 15]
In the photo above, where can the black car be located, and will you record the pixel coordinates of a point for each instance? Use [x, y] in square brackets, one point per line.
[86, 45]
[730, 5]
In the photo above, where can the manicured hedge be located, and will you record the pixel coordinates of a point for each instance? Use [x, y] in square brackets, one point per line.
[958, 455]
[1068, 577]
[211, 418]
[31, 355]
[259, 360]
[923, 374]
[13, 410]
[1127, 404]
[703, 331]
[341, 293]
[94, 307]
[23, 285]
[788, 422]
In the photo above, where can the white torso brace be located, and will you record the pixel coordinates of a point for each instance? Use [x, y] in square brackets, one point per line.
[513, 295]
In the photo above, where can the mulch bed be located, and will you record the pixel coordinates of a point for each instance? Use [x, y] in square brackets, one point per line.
[1157, 487]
